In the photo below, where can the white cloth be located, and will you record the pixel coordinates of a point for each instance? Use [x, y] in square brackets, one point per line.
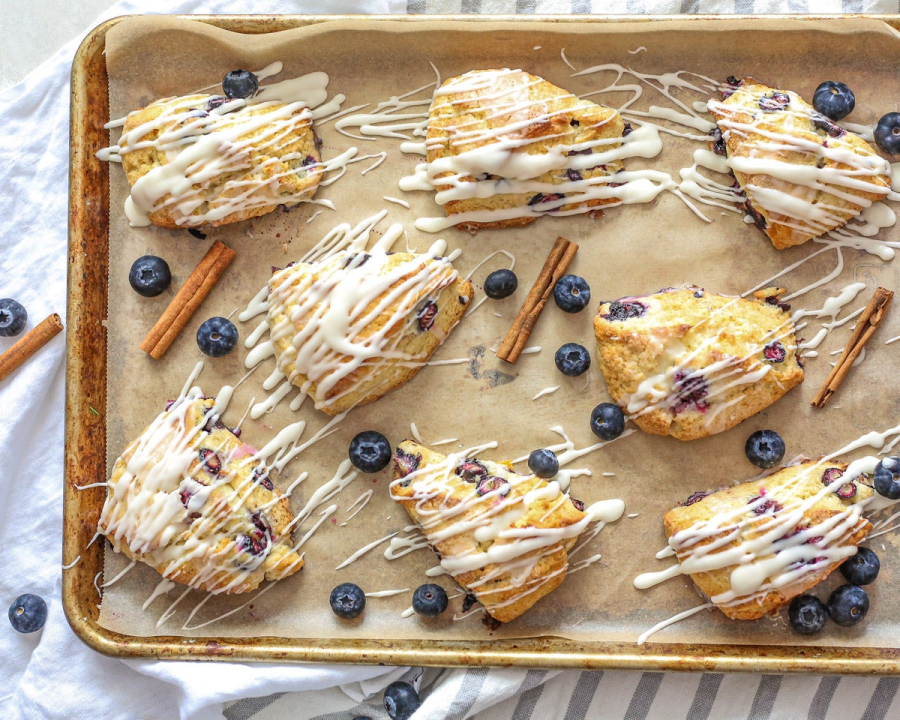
[52, 675]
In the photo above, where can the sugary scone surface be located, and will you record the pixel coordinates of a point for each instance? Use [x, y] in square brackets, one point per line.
[213, 544]
[798, 129]
[281, 173]
[518, 106]
[797, 482]
[411, 345]
[659, 366]
[500, 598]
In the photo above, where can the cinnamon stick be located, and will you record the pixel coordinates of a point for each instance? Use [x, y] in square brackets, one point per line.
[864, 330]
[554, 268]
[187, 300]
[29, 344]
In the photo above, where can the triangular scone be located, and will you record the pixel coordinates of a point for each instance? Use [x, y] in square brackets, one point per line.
[198, 160]
[502, 536]
[689, 364]
[188, 498]
[802, 175]
[817, 531]
[515, 146]
[356, 325]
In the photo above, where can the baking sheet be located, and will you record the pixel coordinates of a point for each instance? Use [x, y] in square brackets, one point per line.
[631, 250]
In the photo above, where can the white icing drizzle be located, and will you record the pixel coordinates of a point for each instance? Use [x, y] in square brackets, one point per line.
[415, 432]
[642, 638]
[323, 516]
[386, 593]
[446, 441]
[73, 563]
[122, 574]
[162, 588]
[401, 546]
[363, 550]
[637, 50]
[200, 145]
[546, 391]
[362, 501]
[396, 200]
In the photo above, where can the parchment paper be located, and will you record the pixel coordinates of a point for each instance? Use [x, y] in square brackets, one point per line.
[630, 251]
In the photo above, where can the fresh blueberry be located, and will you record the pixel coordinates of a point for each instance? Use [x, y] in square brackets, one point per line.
[848, 605]
[607, 421]
[217, 337]
[572, 293]
[862, 568]
[834, 100]
[807, 614]
[28, 613]
[887, 133]
[150, 276]
[500, 284]
[573, 359]
[543, 463]
[240, 84]
[370, 451]
[764, 448]
[429, 600]
[887, 477]
[348, 601]
[12, 317]
[401, 700]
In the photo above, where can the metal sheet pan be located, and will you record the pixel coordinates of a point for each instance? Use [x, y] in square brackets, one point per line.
[85, 446]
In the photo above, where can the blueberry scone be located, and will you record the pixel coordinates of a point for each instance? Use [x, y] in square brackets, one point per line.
[752, 547]
[504, 537]
[505, 147]
[207, 160]
[355, 325]
[689, 364]
[800, 174]
[190, 499]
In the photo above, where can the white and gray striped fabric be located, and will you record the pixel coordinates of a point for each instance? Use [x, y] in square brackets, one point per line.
[482, 694]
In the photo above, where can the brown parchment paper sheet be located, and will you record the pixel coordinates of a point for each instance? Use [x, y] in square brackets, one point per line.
[630, 251]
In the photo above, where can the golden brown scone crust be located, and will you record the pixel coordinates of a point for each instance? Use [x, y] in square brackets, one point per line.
[719, 328]
[800, 122]
[571, 120]
[359, 387]
[279, 182]
[547, 573]
[230, 506]
[718, 581]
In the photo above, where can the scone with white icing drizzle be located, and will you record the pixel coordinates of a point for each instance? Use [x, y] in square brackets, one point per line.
[502, 536]
[801, 174]
[689, 364]
[190, 499]
[512, 147]
[752, 547]
[351, 327]
[204, 160]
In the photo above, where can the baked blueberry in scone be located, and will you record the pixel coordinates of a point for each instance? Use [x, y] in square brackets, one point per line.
[689, 363]
[512, 147]
[352, 327]
[191, 500]
[752, 547]
[207, 160]
[800, 174]
[504, 537]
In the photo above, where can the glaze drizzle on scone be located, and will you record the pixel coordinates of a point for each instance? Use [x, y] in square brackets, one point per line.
[207, 160]
[689, 364]
[351, 327]
[504, 537]
[801, 174]
[753, 547]
[191, 500]
[505, 147]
